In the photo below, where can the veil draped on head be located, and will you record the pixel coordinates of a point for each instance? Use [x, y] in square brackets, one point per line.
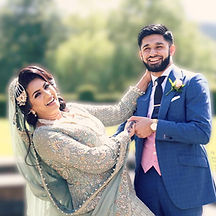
[44, 182]
[47, 192]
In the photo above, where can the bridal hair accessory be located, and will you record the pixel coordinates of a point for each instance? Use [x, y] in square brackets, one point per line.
[20, 94]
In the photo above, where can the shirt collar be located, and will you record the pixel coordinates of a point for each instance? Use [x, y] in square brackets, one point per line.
[165, 73]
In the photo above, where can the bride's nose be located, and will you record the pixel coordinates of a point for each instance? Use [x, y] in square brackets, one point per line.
[47, 93]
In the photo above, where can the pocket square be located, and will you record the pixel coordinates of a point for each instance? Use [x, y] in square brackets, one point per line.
[175, 98]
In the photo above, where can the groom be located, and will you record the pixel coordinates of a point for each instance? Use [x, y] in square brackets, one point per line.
[173, 123]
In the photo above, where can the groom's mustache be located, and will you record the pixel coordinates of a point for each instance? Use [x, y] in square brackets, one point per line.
[156, 56]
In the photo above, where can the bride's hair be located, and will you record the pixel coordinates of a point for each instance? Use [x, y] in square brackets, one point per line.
[25, 76]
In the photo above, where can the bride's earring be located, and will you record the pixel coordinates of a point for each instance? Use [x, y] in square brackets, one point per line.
[33, 113]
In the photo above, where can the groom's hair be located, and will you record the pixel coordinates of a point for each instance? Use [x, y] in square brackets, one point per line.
[155, 29]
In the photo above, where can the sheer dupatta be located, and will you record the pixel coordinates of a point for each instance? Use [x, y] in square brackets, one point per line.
[48, 193]
[43, 182]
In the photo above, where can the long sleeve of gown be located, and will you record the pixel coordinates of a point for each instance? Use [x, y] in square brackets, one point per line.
[115, 114]
[61, 150]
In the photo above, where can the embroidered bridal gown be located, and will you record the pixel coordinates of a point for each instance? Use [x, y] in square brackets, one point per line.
[80, 170]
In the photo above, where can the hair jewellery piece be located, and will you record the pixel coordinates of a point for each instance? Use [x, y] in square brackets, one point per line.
[20, 94]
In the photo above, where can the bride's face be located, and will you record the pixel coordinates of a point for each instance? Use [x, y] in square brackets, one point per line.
[43, 99]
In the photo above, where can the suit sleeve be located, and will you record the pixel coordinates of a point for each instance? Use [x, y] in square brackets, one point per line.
[197, 127]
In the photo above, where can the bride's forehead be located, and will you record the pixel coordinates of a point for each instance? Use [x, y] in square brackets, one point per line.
[35, 84]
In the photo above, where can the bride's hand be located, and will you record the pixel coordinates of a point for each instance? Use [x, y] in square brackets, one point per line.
[130, 127]
[144, 81]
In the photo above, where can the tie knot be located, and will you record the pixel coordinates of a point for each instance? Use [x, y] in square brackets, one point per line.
[160, 80]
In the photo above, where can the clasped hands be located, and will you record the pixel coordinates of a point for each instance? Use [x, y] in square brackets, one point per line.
[140, 126]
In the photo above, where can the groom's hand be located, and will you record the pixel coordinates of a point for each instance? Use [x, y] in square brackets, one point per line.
[142, 126]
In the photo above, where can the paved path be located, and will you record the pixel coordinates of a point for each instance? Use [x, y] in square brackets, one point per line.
[12, 179]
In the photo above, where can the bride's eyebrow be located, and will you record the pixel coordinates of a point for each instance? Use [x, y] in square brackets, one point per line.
[38, 89]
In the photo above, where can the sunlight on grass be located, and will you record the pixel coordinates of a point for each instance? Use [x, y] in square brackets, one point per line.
[5, 138]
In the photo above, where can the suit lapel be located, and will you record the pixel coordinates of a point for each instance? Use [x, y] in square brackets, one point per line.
[143, 102]
[166, 99]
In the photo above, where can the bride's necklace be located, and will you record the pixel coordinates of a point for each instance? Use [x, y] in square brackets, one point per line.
[47, 122]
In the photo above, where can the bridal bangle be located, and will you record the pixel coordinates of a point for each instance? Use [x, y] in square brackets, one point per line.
[137, 90]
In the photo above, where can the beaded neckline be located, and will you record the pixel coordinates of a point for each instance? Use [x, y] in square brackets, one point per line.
[76, 118]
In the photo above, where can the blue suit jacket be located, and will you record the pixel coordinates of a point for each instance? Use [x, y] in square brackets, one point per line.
[184, 127]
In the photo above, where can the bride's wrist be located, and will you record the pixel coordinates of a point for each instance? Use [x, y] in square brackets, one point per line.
[137, 90]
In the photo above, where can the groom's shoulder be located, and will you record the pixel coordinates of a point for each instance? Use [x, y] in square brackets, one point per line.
[188, 75]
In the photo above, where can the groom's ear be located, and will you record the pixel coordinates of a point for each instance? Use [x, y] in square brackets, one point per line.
[140, 55]
[172, 50]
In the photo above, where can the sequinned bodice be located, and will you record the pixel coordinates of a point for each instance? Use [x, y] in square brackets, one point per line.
[77, 147]
[83, 176]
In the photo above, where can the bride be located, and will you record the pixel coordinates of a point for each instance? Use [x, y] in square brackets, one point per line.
[70, 165]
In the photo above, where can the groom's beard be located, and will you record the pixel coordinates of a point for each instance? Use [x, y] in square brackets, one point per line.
[158, 67]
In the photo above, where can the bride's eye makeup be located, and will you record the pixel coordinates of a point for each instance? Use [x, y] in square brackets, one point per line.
[37, 94]
[46, 85]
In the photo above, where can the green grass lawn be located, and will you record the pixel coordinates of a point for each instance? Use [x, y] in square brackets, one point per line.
[6, 147]
[5, 138]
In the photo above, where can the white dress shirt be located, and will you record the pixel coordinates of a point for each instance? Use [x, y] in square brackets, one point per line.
[151, 102]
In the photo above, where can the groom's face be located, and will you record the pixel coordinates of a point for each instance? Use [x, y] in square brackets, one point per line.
[155, 52]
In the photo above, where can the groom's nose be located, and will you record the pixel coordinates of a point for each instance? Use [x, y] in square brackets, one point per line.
[152, 52]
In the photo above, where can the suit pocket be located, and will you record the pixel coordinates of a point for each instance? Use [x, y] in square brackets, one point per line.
[189, 160]
[175, 98]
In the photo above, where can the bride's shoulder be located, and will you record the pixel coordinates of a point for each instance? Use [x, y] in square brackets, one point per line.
[41, 129]
[76, 107]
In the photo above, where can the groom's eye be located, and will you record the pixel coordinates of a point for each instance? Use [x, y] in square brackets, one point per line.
[159, 47]
[146, 49]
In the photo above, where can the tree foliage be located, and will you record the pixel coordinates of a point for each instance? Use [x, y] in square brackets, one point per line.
[25, 32]
[194, 50]
[84, 58]
[95, 49]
